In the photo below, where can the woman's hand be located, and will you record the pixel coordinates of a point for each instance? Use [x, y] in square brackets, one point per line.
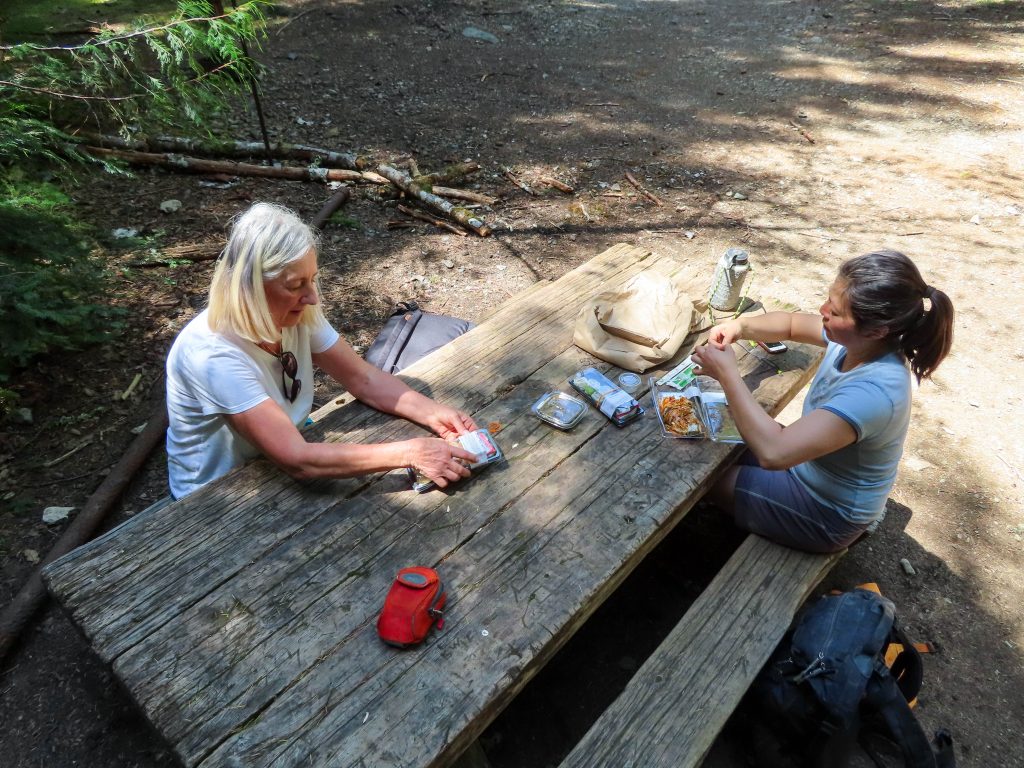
[447, 422]
[718, 362]
[437, 459]
[724, 334]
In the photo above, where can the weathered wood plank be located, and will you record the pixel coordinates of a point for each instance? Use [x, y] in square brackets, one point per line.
[620, 508]
[241, 618]
[472, 371]
[673, 708]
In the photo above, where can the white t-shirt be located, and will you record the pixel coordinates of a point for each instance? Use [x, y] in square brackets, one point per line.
[211, 374]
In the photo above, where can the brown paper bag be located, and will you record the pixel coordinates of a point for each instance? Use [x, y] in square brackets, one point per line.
[639, 326]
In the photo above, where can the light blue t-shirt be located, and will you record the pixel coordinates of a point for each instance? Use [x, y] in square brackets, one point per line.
[874, 398]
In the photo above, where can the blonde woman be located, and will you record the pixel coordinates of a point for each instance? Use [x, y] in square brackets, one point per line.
[240, 374]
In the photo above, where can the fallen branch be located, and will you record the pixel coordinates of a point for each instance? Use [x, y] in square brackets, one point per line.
[199, 165]
[76, 449]
[561, 186]
[462, 194]
[335, 202]
[518, 183]
[644, 192]
[206, 251]
[296, 17]
[461, 215]
[279, 150]
[436, 222]
[451, 174]
[27, 601]
[803, 133]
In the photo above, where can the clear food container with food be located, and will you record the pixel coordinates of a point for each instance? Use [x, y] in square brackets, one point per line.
[698, 410]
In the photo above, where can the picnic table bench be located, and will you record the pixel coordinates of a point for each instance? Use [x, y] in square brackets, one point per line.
[241, 618]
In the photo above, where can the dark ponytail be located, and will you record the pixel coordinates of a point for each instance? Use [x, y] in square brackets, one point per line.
[885, 290]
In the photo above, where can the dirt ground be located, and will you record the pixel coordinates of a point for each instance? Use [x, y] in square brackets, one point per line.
[805, 132]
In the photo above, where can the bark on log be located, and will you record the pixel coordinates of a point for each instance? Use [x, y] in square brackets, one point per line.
[449, 175]
[200, 165]
[337, 200]
[463, 194]
[27, 601]
[233, 148]
[462, 215]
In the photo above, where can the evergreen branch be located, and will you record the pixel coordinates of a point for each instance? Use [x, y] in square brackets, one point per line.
[120, 38]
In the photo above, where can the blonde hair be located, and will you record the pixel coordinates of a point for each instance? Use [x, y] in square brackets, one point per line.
[263, 241]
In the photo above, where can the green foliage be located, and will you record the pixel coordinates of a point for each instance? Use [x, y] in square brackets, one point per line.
[48, 279]
[154, 76]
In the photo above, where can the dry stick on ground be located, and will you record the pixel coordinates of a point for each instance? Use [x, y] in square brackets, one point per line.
[644, 192]
[436, 222]
[462, 215]
[518, 183]
[802, 132]
[234, 148]
[199, 165]
[24, 605]
[462, 194]
[561, 186]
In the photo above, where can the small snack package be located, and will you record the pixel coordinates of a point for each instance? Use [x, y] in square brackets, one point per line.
[480, 443]
[614, 402]
[415, 601]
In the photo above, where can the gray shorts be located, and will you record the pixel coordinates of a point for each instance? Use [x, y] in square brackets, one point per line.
[774, 504]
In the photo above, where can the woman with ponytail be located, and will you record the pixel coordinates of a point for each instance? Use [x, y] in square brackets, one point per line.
[817, 484]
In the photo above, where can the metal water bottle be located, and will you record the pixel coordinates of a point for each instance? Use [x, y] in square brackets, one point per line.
[730, 275]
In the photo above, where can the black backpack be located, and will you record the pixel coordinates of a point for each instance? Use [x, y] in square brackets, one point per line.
[409, 334]
[828, 689]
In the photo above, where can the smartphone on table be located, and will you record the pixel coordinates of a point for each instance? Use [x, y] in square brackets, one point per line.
[772, 347]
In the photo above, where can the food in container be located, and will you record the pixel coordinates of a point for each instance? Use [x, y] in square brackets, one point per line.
[700, 410]
[618, 405]
[559, 409]
[678, 416]
[479, 442]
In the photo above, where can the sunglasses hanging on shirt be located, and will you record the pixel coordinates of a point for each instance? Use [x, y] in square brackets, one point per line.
[290, 368]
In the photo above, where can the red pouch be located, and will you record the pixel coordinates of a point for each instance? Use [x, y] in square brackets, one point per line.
[414, 602]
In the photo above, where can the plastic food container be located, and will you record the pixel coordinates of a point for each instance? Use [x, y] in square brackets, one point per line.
[699, 410]
[629, 382]
[559, 409]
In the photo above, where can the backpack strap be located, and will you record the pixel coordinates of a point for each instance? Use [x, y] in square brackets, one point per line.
[907, 669]
[884, 696]
[400, 334]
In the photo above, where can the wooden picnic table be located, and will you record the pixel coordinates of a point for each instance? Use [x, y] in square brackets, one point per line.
[242, 618]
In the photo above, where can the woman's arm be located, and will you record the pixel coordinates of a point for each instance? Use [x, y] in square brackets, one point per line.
[270, 430]
[387, 393]
[772, 326]
[776, 447]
